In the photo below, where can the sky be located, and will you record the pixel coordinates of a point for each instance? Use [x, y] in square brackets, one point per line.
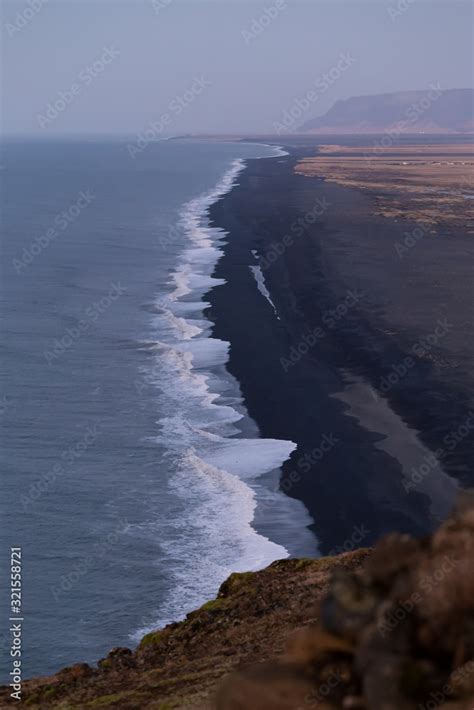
[193, 66]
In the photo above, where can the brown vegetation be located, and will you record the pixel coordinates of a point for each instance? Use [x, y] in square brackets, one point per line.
[397, 635]
[432, 184]
[391, 629]
[182, 665]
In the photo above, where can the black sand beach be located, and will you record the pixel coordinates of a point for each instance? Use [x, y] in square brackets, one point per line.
[368, 362]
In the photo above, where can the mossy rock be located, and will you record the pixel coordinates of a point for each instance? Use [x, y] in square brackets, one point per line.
[105, 664]
[303, 563]
[152, 640]
[235, 583]
[214, 605]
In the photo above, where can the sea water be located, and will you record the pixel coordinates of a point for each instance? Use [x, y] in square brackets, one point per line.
[131, 471]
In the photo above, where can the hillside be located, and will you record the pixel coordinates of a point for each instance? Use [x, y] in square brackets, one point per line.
[182, 665]
[429, 111]
[390, 628]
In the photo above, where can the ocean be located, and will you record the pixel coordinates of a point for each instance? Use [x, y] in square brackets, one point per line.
[133, 479]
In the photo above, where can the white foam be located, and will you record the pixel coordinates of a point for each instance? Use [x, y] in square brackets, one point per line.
[279, 151]
[215, 474]
[259, 278]
[184, 329]
[199, 568]
[205, 352]
[249, 458]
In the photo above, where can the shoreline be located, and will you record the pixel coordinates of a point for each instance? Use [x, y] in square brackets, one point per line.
[339, 471]
[358, 439]
[183, 664]
[203, 433]
[288, 625]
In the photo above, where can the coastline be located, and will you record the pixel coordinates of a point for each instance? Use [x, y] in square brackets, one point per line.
[182, 665]
[330, 283]
[272, 638]
[359, 441]
[219, 450]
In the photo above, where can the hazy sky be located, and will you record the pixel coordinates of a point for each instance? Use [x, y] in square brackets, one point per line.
[106, 66]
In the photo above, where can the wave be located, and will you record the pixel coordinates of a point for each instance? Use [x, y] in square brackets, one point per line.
[217, 473]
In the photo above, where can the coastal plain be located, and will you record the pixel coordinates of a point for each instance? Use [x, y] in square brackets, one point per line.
[349, 313]
[432, 184]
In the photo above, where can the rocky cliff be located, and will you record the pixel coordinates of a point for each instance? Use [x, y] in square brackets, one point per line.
[387, 629]
[182, 665]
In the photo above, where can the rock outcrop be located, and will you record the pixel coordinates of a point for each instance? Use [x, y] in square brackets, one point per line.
[387, 629]
[395, 635]
[182, 665]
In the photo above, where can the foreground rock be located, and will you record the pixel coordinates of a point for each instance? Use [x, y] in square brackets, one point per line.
[182, 665]
[397, 635]
[391, 629]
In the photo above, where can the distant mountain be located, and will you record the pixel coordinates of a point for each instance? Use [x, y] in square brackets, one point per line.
[430, 111]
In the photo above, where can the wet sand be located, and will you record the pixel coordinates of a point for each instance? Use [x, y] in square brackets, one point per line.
[363, 357]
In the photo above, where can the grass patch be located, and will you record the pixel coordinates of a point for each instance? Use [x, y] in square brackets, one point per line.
[213, 605]
[151, 640]
[234, 583]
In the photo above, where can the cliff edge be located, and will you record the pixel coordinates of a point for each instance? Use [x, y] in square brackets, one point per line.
[385, 629]
[182, 665]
